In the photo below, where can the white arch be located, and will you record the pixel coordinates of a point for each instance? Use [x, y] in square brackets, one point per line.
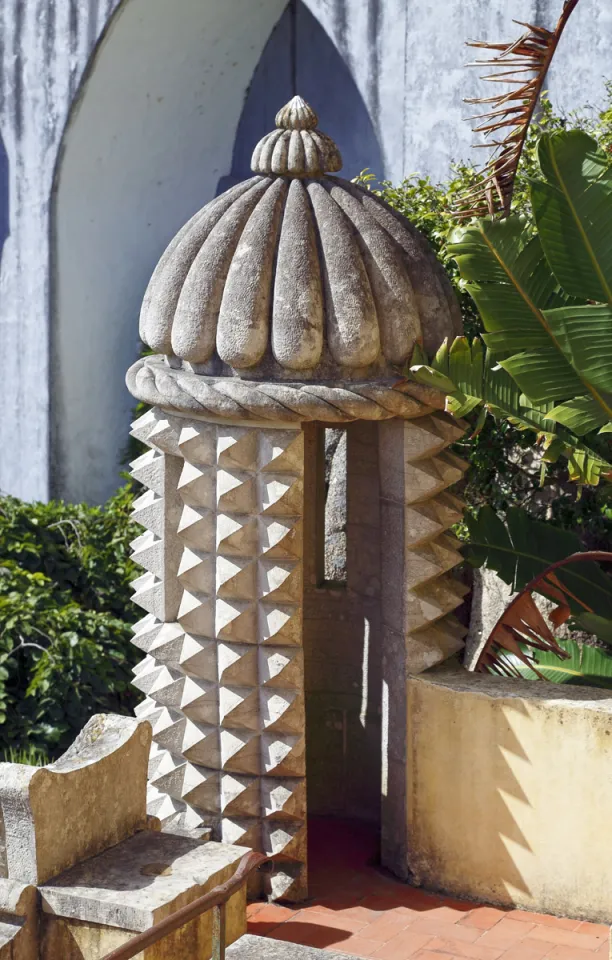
[145, 146]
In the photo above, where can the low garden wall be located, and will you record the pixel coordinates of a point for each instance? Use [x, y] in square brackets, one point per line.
[510, 791]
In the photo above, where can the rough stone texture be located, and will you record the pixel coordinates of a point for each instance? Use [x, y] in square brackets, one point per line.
[509, 789]
[86, 786]
[155, 382]
[279, 275]
[104, 871]
[141, 881]
[264, 948]
[296, 148]
[335, 505]
[99, 905]
[18, 921]
[217, 300]
[419, 592]
[490, 597]
[223, 673]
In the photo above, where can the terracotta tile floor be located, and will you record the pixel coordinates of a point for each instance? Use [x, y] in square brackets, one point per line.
[358, 909]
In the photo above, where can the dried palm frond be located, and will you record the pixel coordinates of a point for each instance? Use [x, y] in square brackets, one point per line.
[522, 625]
[522, 65]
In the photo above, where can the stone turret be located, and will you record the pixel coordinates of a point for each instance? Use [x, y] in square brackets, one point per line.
[295, 271]
[291, 302]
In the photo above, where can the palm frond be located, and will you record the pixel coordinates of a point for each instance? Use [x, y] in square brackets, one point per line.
[521, 64]
[522, 628]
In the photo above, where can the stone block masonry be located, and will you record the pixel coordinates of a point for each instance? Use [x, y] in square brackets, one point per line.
[419, 594]
[82, 867]
[223, 675]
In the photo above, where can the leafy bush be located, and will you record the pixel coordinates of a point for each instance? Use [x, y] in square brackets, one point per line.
[65, 615]
[506, 465]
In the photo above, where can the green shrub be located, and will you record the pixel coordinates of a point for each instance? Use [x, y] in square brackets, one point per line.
[65, 615]
[504, 466]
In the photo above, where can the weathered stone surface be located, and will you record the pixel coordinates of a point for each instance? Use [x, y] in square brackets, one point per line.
[179, 390]
[419, 593]
[55, 816]
[335, 505]
[223, 677]
[509, 787]
[18, 921]
[296, 148]
[99, 905]
[245, 286]
[490, 597]
[139, 882]
[250, 947]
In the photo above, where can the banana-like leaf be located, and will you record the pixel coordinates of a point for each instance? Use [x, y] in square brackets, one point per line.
[470, 376]
[555, 351]
[581, 416]
[585, 666]
[584, 336]
[573, 212]
[522, 549]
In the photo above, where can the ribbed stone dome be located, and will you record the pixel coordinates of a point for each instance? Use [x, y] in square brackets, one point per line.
[297, 271]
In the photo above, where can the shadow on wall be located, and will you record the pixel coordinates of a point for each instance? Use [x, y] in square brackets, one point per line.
[151, 133]
[4, 196]
[471, 776]
[313, 65]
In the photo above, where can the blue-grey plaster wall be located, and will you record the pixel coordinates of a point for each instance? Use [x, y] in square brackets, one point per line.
[387, 78]
[300, 57]
[45, 46]
[4, 196]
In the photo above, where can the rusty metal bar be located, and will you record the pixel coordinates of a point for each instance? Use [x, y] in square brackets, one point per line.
[214, 899]
[218, 933]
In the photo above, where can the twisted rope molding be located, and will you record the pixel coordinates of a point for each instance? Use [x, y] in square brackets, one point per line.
[224, 398]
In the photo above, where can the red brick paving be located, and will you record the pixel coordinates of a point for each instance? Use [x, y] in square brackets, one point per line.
[360, 910]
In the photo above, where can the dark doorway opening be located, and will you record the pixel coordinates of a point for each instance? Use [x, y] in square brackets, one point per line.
[342, 637]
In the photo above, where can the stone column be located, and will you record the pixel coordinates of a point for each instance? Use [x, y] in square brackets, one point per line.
[224, 669]
[419, 592]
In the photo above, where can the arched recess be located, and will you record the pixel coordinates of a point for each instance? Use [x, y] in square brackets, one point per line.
[300, 57]
[146, 144]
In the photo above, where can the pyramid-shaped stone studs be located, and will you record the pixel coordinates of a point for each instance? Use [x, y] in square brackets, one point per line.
[237, 448]
[196, 528]
[196, 442]
[223, 672]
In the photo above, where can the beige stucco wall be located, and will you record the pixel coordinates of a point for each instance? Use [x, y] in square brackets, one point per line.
[510, 787]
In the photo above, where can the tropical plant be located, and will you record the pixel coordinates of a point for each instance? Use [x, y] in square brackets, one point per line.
[506, 465]
[575, 663]
[533, 557]
[521, 66]
[545, 299]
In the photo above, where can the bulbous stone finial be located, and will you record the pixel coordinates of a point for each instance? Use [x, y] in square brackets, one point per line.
[296, 115]
[297, 272]
[296, 148]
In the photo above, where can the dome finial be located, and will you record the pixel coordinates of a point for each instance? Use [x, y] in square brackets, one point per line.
[296, 115]
[296, 148]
